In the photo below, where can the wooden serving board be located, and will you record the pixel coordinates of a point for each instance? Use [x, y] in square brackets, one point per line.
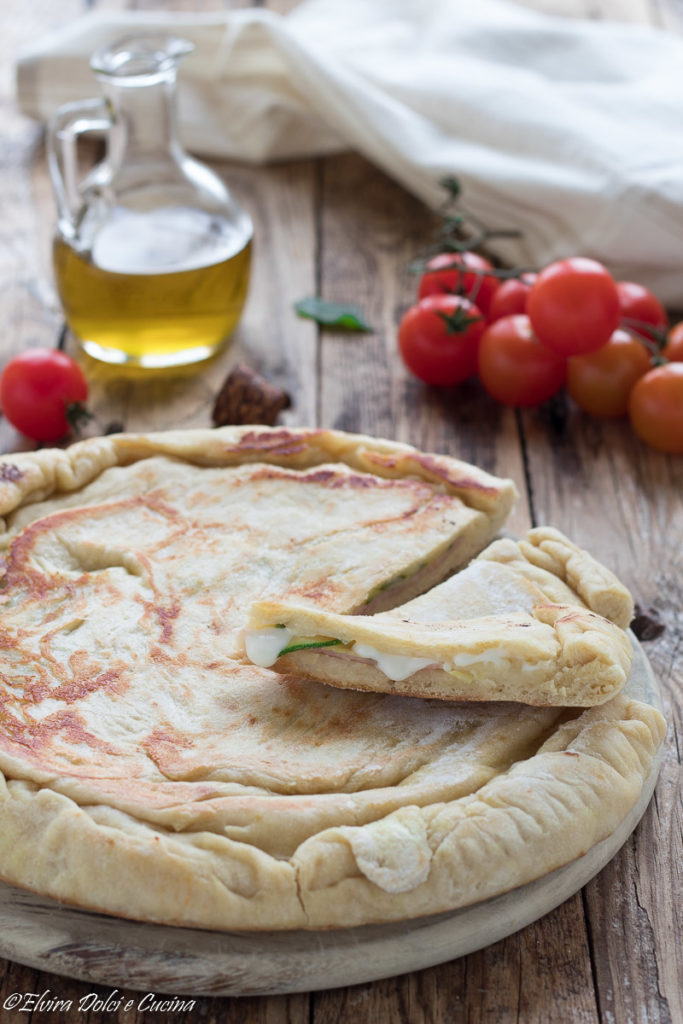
[44, 934]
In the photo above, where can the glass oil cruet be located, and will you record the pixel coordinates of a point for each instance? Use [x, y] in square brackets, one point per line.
[151, 253]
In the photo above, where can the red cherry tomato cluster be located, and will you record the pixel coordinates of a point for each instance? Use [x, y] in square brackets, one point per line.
[527, 337]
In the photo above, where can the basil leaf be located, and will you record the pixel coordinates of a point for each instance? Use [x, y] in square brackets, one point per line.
[305, 647]
[332, 314]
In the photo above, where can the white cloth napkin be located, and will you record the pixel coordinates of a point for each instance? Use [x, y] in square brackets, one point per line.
[568, 129]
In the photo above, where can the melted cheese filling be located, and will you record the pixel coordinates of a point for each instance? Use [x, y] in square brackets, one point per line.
[263, 646]
[493, 654]
[394, 666]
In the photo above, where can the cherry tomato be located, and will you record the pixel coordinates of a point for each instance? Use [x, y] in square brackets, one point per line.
[511, 297]
[574, 306]
[601, 382]
[656, 408]
[37, 387]
[640, 307]
[439, 338]
[513, 366]
[443, 275]
[673, 349]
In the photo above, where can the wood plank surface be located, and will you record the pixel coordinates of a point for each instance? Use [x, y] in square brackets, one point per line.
[338, 226]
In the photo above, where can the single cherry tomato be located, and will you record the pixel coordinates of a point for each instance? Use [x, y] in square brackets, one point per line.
[38, 390]
[439, 338]
[511, 297]
[514, 367]
[656, 408]
[673, 349]
[601, 382]
[574, 306]
[639, 307]
[460, 273]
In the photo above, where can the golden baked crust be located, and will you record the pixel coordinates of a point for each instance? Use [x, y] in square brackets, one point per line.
[147, 771]
[504, 628]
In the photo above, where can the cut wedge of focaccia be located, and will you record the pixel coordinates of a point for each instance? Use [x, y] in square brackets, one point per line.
[537, 621]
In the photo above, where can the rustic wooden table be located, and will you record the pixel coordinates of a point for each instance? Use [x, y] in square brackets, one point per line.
[339, 227]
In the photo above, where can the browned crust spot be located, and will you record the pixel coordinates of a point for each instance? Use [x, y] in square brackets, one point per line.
[278, 442]
[162, 743]
[434, 466]
[37, 736]
[332, 478]
[9, 473]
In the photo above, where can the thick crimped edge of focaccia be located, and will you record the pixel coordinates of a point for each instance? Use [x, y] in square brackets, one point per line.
[543, 813]
[596, 585]
[33, 476]
[562, 654]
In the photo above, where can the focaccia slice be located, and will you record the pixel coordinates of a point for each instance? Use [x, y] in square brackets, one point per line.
[538, 621]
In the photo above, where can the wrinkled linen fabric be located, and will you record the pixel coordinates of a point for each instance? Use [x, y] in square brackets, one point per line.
[565, 128]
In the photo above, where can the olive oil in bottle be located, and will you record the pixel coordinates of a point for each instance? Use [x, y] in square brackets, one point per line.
[159, 289]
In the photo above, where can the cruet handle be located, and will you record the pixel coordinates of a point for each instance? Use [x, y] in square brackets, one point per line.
[63, 131]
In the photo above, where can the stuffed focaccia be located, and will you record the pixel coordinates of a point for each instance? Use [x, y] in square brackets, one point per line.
[508, 627]
[148, 771]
